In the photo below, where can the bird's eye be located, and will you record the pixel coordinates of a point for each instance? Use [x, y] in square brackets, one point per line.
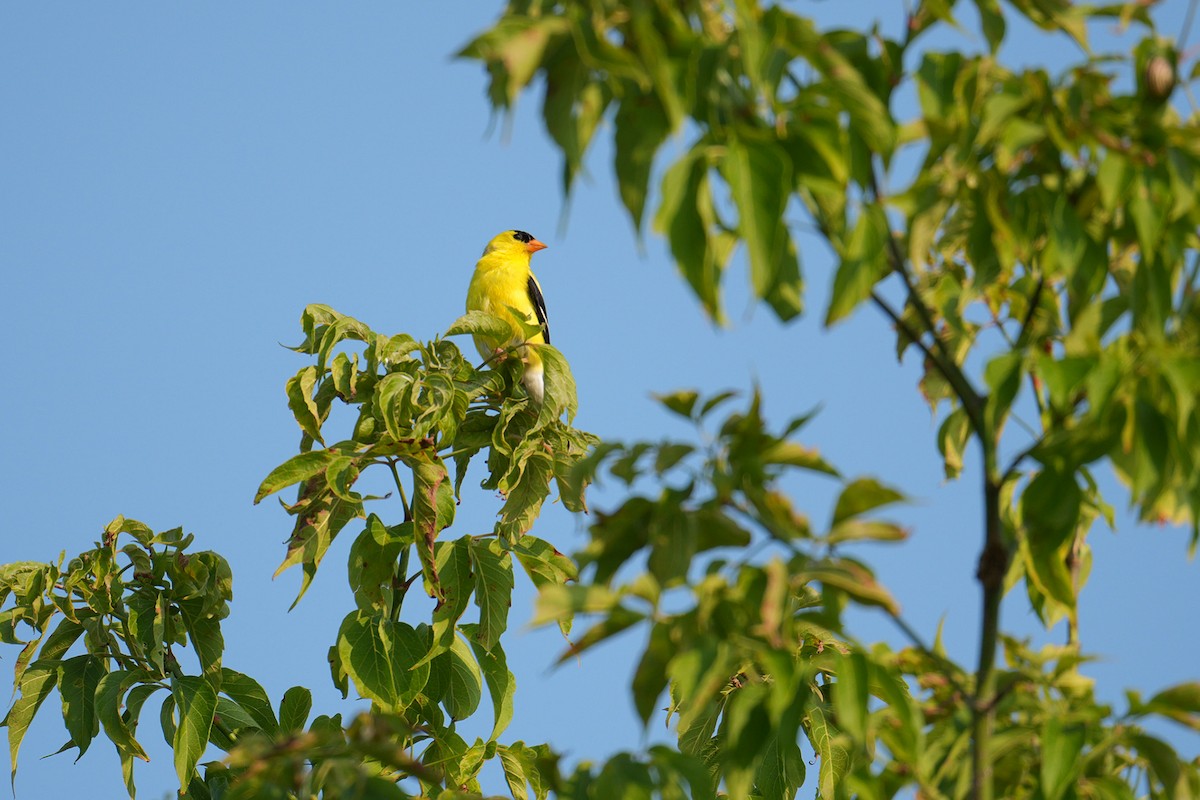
[522, 236]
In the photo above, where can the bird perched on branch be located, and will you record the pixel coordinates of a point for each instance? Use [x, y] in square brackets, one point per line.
[502, 284]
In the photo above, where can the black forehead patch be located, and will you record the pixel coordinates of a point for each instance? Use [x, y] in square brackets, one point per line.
[522, 236]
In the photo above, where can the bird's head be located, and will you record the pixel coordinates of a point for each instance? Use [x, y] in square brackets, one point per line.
[513, 243]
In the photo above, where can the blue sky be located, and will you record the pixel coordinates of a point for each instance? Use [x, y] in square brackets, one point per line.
[179, 180]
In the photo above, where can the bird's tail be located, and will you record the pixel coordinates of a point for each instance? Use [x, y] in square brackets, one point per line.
[534, 377]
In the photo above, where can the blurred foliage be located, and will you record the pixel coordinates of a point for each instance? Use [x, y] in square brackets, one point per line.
[1032, 236]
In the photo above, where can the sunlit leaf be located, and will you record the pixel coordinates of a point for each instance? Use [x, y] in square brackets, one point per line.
[196, 700]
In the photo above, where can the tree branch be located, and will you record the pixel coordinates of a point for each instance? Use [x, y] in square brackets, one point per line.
[994, 557]
[971, 400]
[993, 564]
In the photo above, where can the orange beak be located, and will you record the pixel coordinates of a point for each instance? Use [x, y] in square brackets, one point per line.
[533, 245]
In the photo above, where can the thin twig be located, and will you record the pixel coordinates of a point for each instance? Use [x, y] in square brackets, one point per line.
[1011, 471]
[944, 360]
[1181, 42]
[883, 306]
[928, 651]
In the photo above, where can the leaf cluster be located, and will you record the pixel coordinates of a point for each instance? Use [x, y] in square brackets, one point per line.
[129, 603]
[419, 409]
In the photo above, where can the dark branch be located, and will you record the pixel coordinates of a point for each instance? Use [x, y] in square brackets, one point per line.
[942, 360]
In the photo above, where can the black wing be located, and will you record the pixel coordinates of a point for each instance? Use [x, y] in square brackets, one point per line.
[539, 306]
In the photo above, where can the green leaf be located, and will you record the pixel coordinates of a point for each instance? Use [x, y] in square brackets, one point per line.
[650, 678]
[850, 695]
[233, 717]
[373, 559]
[527, 485]
[294, 709]
[831, 751]
[1061, 745]
[134, 701]
[574, 104]
[1003, 377]
[465, 688]
[953, 434]
[340, 330]
[1114, 177]
[166, 718]
[203, 627]
[867, 530]
[482, 324]
[618, 620]
[991, 19]
[457, 582]
[863, 264]
[1066, 239]
[514, 772]
[513, 50]
[1050, 509]
[846, 86]
[855, 580]
[383, 658]
[197, 702]
[1065, 377]
[684, 216]
[109, 692]
[295, 470]
[493, 589]
[1162, 758]
[300, 401]
[557, 602]
[781, 772]
[760, 180]
[340, 475]
[433, 508]
[395, 398]
[78, 678]
[623, 777]
[559, 386]
[544, 564]
[713, 528]
[796, 455]
[861, 496]
[1178, 703]
[668, 455]
[1050, 513]
[250, 695]
[501, 683]
[35, 686]
[745, 728]
[641, 126]
[935, 86]
[681, 402]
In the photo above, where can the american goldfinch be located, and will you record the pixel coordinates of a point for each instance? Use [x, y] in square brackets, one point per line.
[503, 282]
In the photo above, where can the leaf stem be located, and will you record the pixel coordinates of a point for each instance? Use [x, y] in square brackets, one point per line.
[400, 584]
[400, 488]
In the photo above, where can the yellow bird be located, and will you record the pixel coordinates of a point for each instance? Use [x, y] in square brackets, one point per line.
[502, 282]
